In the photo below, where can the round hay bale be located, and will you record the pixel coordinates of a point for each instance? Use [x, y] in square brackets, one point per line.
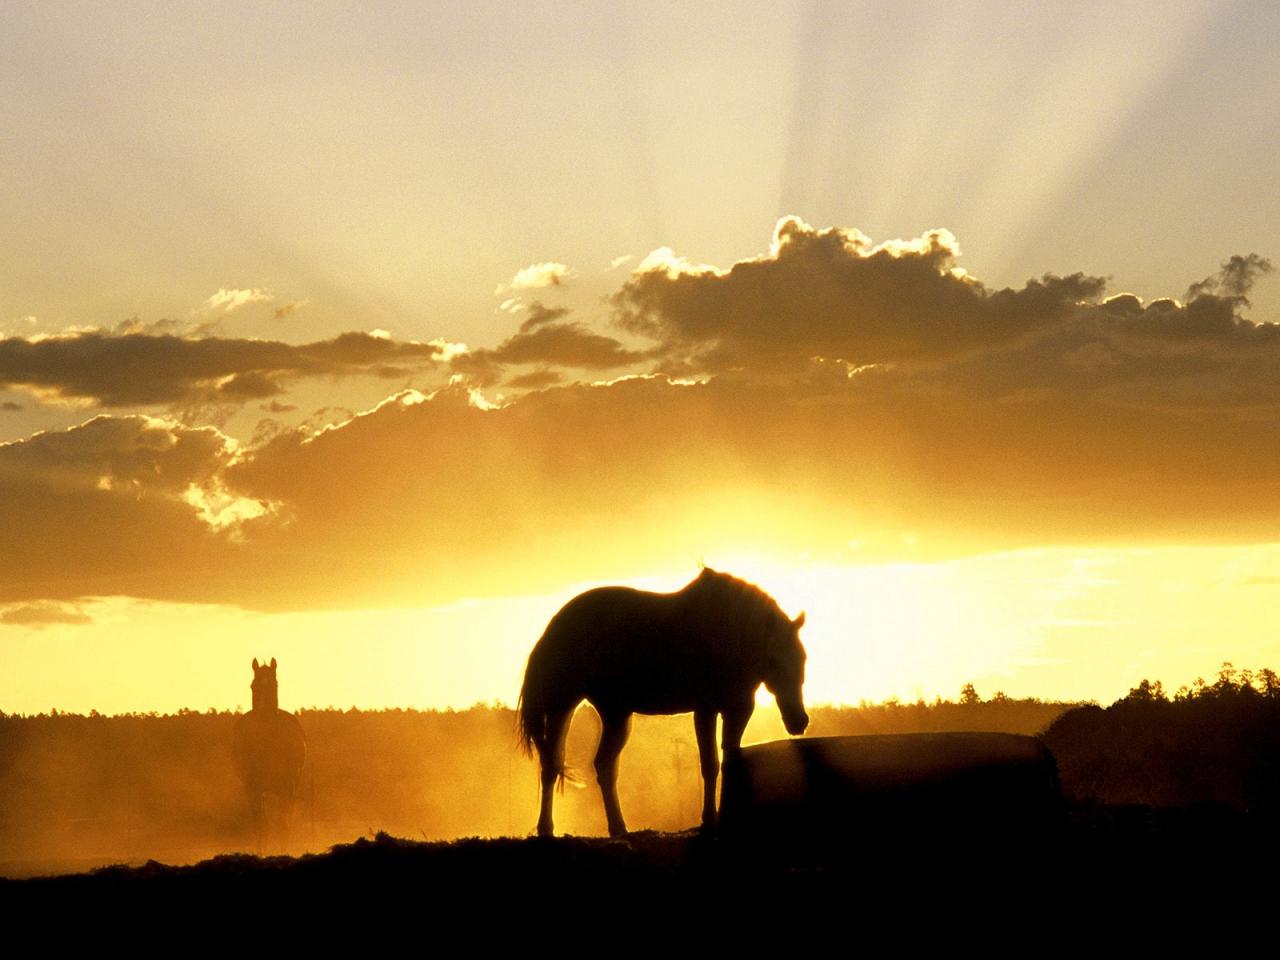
[944, 785]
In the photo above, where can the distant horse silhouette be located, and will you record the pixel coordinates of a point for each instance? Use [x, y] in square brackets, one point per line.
[705, 648]
[269, 750]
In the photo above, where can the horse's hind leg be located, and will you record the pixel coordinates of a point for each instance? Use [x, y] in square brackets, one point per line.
[613, 737]
[551, 754]
[704, 724]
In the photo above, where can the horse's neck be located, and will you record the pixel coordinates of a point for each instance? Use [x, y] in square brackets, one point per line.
[726, 624]
[266, 701]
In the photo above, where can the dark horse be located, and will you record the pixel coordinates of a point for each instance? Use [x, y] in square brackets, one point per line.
[269, 750]
[705, 649]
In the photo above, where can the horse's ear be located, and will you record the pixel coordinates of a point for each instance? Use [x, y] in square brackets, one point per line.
[798, 622]
[255, 664]
[273, 659]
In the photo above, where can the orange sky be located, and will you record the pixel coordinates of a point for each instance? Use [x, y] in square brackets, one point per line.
[344, 356]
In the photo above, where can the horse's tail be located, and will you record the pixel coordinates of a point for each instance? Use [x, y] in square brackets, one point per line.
[533, 714]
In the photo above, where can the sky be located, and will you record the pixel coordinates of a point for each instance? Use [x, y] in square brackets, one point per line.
[366, 336]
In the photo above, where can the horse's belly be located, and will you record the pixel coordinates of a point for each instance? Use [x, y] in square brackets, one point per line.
[665, 707]
[649, 702]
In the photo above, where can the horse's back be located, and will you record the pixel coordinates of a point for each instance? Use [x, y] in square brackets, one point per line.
[612, 618]
[610, 604]
[608, 618]
[624, 647]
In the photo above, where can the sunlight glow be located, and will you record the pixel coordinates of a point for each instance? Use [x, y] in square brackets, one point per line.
[221, 509]
[1067, 624]
[665, 260]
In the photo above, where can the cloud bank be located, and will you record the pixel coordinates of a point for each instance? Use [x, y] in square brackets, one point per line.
[832, 396]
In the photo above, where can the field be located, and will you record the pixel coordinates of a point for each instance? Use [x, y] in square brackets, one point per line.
[1165, 799]
[78, 792]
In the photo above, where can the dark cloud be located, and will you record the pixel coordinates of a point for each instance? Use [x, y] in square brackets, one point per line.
[478, 367]
[540, 314]
[161, 327]
[548, 344]
[566, 345]
[249, 386]
[1197, 360]
[1234, 279]
[288, 309]
[536, 380]
[129, 369]
[44, 614]
[832, 294]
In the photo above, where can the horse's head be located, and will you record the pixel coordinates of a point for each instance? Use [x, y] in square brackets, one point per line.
[265, 687]
[784, 673]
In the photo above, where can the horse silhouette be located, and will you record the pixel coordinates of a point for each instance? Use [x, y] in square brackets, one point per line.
[269, 749]
[705, 648]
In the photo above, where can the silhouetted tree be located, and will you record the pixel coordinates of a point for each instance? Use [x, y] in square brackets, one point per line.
[1147, 692]
[1270, 683]
[1213, 743]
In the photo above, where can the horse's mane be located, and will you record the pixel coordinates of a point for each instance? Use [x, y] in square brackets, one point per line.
[736, 598]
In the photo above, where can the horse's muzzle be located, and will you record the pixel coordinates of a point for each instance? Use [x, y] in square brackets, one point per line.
[796, 721]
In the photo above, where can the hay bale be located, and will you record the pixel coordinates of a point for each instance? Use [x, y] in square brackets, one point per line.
[936, 784]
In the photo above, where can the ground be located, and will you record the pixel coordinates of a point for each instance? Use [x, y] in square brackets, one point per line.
[1098, 859]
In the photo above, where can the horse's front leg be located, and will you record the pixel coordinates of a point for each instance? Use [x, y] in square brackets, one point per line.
[613, 737]
[735, 724]
[704, 724]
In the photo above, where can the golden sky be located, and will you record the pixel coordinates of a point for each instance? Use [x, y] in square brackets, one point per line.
[365, 337]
